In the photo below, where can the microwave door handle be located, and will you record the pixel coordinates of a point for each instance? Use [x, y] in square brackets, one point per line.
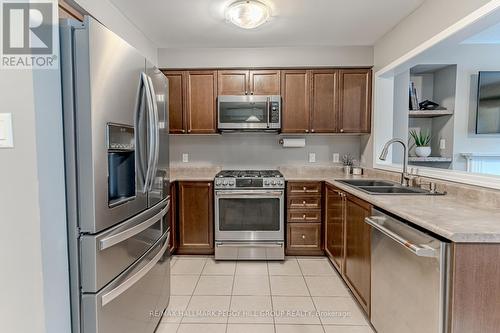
[268, 107]
[156, 131]
[151, 137]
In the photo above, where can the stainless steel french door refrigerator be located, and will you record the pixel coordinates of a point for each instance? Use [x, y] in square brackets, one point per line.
[117, 176]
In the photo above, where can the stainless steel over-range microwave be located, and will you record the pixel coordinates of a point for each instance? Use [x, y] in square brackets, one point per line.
[249, 113]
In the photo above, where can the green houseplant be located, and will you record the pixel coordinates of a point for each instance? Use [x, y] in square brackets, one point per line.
[422, 142]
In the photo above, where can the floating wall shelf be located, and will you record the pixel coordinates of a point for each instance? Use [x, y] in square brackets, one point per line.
[429, 113]
[430, 159]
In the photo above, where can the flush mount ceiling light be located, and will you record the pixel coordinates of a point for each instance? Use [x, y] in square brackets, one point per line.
[248, 14]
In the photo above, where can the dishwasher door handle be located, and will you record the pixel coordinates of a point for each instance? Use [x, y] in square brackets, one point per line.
[419, 250]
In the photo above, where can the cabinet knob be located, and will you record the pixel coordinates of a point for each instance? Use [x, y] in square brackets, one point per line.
[303, 236]
[312, 131]
[304, 188]
[189, 131]
[304, 216]
[183, 131]
[251, 93]
[341, 130]
[304, 203]
[246, 92]
[307, 131]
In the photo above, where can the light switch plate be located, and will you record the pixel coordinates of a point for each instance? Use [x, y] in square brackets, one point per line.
[6, 135]
[185, 158]
[336, 157]
[312, 157]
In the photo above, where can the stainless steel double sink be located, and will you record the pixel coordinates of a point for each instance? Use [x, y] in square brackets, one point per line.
[379, 187]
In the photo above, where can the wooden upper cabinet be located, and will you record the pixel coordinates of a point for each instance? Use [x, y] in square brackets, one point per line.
[196, 223]
[201, 96]
[176, 100]
[295, 90]
[248, 82]
[355, 96]
[357, 262]
[232, 82]
[264, 82]
[324, 87]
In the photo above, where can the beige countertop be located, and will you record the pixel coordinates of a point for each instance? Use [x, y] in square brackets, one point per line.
[447, 215]
[456, 218]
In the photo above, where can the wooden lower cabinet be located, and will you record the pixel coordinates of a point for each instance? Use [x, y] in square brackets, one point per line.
[335, 226]
[357, 259]
[304, 218]
[172, 217]
[304, 238]
[196, 220]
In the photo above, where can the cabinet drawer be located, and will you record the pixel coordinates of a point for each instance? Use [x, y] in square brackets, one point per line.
[304, 188]
[304, 202]
[304, 215]
[304, 235]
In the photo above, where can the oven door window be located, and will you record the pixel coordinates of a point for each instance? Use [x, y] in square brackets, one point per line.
[243, 112]
[262, 214]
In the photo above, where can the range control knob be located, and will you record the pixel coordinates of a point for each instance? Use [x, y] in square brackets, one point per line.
[274, 182]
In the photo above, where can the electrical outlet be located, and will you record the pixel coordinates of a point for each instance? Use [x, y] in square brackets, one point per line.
[185, 158]
[442, 144]
[312, 157]
[336, 157]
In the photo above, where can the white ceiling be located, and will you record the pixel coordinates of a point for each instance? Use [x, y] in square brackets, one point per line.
[201, 23]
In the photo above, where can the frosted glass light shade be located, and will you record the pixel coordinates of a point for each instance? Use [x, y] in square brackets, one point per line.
[247, 14]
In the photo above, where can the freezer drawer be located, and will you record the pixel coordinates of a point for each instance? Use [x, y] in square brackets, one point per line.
[134, 301]
[106, 255]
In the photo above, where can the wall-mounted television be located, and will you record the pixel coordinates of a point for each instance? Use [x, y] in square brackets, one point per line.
[488, 103]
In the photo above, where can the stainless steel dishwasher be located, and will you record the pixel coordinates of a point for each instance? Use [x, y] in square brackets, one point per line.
[409, 277]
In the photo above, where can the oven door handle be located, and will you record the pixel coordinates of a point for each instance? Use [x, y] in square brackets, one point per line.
[244, 194]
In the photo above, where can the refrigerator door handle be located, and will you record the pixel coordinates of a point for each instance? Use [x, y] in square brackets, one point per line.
[156, 131]
[138, 137]
[111, 240]
[111, 295]
[151, 134]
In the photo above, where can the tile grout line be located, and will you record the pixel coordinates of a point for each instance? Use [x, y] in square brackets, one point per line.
[192, 294]
[231, 296]
[271, 296]
[310, 295]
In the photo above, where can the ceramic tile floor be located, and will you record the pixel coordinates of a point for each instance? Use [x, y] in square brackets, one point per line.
[299, 295]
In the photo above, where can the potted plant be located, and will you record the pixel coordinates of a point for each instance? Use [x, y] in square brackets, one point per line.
[422, 142]
[348, 162]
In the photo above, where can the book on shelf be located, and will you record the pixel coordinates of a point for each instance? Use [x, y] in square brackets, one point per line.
[413, 97]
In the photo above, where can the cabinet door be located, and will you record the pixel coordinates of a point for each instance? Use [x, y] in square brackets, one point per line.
[355, 100]
[357, 265]
[264, 82]
[173, 218]
[295, 90]
[334, 226]
[196, 223]
[324, 101]
[233, 82]
[201, 98]
[176, 100]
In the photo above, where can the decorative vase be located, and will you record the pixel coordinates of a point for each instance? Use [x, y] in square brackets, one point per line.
[423, 151]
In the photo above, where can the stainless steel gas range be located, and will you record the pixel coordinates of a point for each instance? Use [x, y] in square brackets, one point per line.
[249, 215]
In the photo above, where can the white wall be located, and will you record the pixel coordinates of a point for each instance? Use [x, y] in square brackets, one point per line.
[425, 22]
[109, 15]
[21, 280]
[256, 150]
[266, 57]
